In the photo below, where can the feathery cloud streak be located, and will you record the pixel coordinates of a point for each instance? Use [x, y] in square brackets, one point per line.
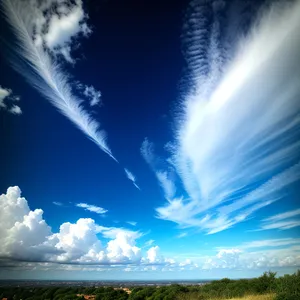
[40, 50]
[236, 147]
[92, 208]
[283, 221]
[132, 178]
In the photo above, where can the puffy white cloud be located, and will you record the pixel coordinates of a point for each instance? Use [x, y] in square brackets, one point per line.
[92, 208]
[25, 235]
[23, 232]
[123, 248]
[4, 93]
[6, 97]
[15, 110]
[154, 256]
[57, 24]
[77, 240]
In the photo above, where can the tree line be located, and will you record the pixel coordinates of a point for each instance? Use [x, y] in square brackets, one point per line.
[286, 287]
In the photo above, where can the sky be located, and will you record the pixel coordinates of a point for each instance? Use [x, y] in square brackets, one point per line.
[149, 140]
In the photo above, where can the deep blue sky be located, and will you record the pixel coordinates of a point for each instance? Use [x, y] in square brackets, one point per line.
[134, 57]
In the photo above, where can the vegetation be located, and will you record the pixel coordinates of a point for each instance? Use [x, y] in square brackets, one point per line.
[265, 287]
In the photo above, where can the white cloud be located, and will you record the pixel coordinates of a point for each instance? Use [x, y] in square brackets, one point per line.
[93, 95]
[29, 243]
[283, 252]
[271, 243]
[283, 216]
[181, 235]
[57, 203]
[131, 177]
[282, 221]
[62, 27]
[44, 29]
[167, 185]
[23, 232]
[149, 243]
[154, 255]
[132, 223]
[15, 110]
[163, 176]
[147, 150]
[236, 151]
[6, 97]
[4, 93]
[123, 248]
[25, 235]
[92, 208]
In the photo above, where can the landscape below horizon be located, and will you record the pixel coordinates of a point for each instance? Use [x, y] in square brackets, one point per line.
[149, 142]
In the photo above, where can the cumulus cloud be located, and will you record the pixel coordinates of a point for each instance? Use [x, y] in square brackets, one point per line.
[131, 177]
[6, 101]
[154, 255]
[25, 235]
[92, 208]
[28, 242]
[45, 29]
[235, 150]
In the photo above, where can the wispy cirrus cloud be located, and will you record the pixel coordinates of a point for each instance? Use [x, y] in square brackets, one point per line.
[46, 31]
[271, 243]
[236, 147]
[132, 178]
[92, 208]
[283, 221]
[163, 175]
[283, 216]
[57, 203]
[132, 223]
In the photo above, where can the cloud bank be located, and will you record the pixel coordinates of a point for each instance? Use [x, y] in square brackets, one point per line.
[236, 147]
[28, 242]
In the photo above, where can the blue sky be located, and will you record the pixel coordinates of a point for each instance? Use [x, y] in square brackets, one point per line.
[197, 173]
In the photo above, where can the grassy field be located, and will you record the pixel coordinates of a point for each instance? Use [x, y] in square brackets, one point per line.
[256, 297]
[248, 297]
